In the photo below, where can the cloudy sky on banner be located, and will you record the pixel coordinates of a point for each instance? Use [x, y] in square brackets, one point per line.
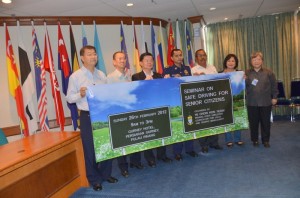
[139, 95]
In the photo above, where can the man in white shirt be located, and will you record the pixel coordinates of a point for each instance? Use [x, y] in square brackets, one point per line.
[86, 76]
[202, 68]
[120, 74]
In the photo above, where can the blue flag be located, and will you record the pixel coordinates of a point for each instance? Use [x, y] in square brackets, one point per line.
[84, 38]
[100, 64]
[189, 47]
[123, 46]
[153, 45]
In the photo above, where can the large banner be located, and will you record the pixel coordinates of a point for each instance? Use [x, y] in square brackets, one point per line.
[140, 115]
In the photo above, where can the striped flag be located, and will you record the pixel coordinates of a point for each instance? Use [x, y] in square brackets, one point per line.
[28, 87]
[136, 54]
[100, 64]
[170, 45]
[123, 46]
[49, 66]
[75, 67]
[74, 57]
[161, 46]
[14, 83]
[189, 47]
[157, 62]
[40, 82]
[84, 38]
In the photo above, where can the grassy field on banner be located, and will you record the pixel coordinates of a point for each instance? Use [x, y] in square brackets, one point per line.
[104, 103]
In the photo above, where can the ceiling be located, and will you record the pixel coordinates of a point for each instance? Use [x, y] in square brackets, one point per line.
[163, 9]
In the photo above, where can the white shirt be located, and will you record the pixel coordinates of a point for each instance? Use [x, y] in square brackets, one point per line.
[117, 76]
[83, 78]
[148, 76]
[209, 69]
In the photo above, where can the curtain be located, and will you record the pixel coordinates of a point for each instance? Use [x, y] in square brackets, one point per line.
[273, 35]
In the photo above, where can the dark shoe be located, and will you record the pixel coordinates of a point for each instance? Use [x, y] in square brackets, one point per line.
[138, 166]
[178, 157]
[152, 164]
[112, 180]
[255, 143]
[167, 160]
[192, 153]
[125, 173]
[217, 147]
[97, 187]
[240, 143]
[204, 150]
[229, 144]
[266, 145]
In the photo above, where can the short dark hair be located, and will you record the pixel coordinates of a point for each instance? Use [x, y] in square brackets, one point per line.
[142, 56]
[82, 50]
[199, 50]
[175, 50]
[229, 56]
[118, 52]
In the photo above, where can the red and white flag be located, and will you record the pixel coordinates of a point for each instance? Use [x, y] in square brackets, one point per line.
[49, 66]
[40, 82]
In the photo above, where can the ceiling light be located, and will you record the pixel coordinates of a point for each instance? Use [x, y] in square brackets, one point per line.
[129, 4]
[6, 1]
[211, 9]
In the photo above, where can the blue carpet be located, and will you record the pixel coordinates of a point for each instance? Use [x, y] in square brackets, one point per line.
[245, 172]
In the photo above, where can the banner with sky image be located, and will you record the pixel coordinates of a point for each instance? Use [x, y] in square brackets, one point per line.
[141, 115]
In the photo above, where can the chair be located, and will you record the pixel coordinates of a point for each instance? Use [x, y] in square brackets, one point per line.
[283, 106]
[3, 139]
[295, 97]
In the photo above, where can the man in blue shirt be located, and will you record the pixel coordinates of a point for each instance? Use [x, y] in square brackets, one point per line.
[180, 70]
[86, 76]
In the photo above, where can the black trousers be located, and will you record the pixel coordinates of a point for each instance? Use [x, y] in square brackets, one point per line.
[209, 141]
[160, 151]
[259, 116]
[135, 158]
[95, 172]
[178, 147]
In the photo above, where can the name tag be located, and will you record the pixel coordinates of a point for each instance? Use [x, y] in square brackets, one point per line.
[254, 82]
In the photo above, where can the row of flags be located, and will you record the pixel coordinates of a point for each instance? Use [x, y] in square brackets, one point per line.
[159, 48]
[21, 87]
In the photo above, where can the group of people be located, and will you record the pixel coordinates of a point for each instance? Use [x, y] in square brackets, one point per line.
[261, 94]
